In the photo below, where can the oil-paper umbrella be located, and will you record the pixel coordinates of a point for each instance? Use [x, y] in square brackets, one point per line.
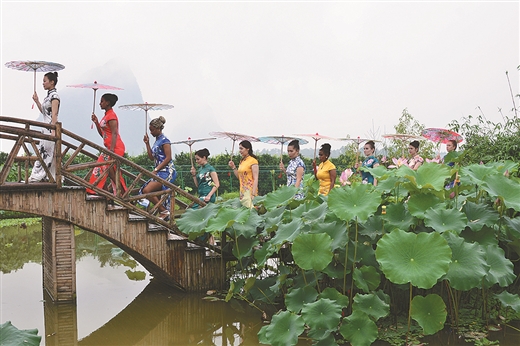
[234, 137]
[281, 140]
[316, 138]
[190, 142]
[357, 140]
[94, 86]
[440, 135]
[403, 137]
[146, 107]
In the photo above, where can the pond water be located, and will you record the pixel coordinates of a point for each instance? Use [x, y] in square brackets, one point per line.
[118, 303]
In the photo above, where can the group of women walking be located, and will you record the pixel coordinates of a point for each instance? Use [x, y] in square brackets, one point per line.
[206, 178]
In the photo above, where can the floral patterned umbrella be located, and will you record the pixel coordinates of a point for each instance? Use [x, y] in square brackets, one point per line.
[146, 107]
[316, 138]
[358, 140]
[440, 135]
[234, 136]
[190, 142]
[403, 137]
[34, 66]
[281, 140]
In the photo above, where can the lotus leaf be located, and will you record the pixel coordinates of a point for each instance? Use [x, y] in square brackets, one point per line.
[359, 329]
[226, 217]
[265, 252]
[513, 226]
[262, 291]
[194, 221]
[452, 156]
[248, 228]
[336, 270]
[397, 216]
[307, 278]
[486, 236]
[417, 258]
[284, 329]
[371, 305]
[301, 209]
[336, 230]
[329, 340]
[296, 298]
[282, 196]
[373, 227]
[135, 275]
[419, 203]
[287, 232]
[312, 251]
[273, 218]
[500, 268]
[468, 263]
[429, 312]
[322, 317]
[442, 220]
[380, 172]
[359, 202]
[475, 174]
[504, 188]
[366, 278]
[243, 247]
[509, 300]
[480, 215]
[429, 175]
[333, 294]
[388, 184]
[10, 335]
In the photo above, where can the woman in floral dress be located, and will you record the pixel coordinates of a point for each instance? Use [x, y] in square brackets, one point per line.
[295, 169]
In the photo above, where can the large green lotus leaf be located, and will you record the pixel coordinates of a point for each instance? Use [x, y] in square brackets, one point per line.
[195, 220]
[272, 218]
[380, 172]
[419, 203]
[503, 166]
[388, 184]
[296, 298]
[248, 229]
[486, 236]
[262, 290]
[284, 329]
[468, 263]
[397, 216]
[431, 175]
[359, 329]
[328, 340]
[333, 294]
[452, 156]
[359, 202]
[505, 188]
[243, 247]
[429, 312]
[281, 196]
[365, 254]
[371, 305]
[264, 253]
[442, 220]
[10, 335]
[227, 217]
[322, 317]
[500, 268]
[509, 300]
[479, 215]
[307, 278]
[301, 209]
[475, 174]
[417, 258]
[316, 215]
[312, 251]
[372, 228]
[366, 278]
[336, 230]
[287, 232]
[262, 338]
[336, 270]
[513, 227]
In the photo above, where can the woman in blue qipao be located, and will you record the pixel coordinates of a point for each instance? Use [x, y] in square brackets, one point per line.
[206, 180]
[295, 169]
[161, 153]
[370, 162]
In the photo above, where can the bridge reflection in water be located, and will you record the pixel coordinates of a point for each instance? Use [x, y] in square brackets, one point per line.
[159, 316]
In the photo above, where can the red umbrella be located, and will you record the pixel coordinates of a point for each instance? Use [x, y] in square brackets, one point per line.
[316, 138]
[443, 136]
[190, 142]
[234, 136]
[146, 107]
[280, 140]
[94, 86]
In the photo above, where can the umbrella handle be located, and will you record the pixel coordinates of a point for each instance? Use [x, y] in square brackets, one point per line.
[145, 121]
[191, 157]
[34, 87]
[315, 146]
[281, 154]
[232, 149]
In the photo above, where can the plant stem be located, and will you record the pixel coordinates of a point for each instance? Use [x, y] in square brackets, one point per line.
[512, 96]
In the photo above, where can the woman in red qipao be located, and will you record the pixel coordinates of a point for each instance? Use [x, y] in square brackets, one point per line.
[108, 129]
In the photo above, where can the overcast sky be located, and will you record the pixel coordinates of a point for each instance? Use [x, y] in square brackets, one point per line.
[273, 68]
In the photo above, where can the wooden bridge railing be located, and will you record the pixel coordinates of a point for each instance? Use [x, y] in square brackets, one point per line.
[25, 137]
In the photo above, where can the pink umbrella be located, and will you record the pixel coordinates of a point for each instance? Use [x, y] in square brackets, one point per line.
[190, 142]
[443, 136]
[94, 86]
[234, 136]
[146, 107]
[316, 138]
[280, 140]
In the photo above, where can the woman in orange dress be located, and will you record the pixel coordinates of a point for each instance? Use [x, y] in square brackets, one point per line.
[108, 129]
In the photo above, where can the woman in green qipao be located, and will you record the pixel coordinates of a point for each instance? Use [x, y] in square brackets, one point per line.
[206, 180]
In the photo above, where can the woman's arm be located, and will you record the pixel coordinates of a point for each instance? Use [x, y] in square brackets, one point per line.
[216, 184]
[113, 128]
[55, 105]
[194, 176]
[232, 165]
[146, 141]
[299, 176]
[255, 169]
[332, 174]
[37, 101]
[96, 122]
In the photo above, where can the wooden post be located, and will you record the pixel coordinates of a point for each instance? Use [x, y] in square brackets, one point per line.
[59, 260]
[61, 322]
[58, 156]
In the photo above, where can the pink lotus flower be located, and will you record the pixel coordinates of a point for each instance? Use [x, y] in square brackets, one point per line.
[398, 162]
[345, 175]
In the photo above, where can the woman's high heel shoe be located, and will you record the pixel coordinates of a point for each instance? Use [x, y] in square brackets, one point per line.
[165, 215]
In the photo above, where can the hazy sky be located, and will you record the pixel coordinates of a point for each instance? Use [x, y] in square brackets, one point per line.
[273, 68]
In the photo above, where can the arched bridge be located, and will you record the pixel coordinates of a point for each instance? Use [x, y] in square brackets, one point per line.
[62, 202]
